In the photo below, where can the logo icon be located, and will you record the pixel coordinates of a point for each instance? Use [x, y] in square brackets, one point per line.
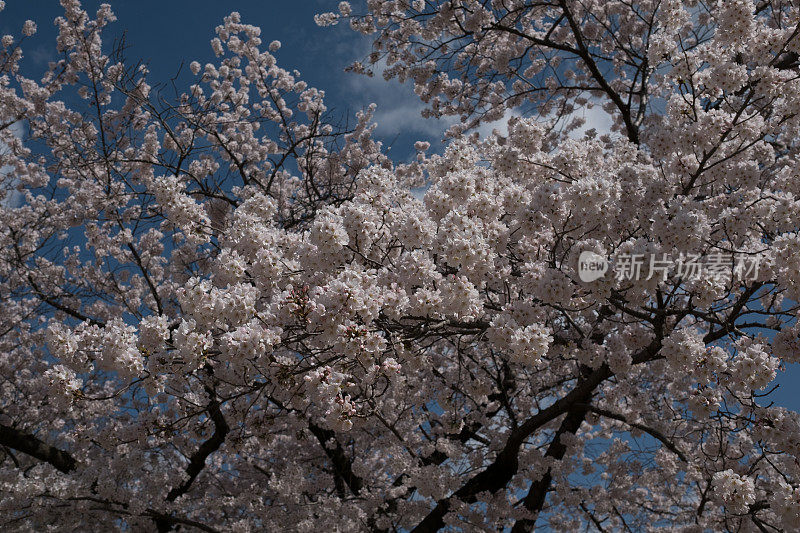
[591, 266]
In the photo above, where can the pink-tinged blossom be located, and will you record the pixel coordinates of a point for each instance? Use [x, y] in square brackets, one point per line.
[223, 311]
[29, 28]
[735, 491]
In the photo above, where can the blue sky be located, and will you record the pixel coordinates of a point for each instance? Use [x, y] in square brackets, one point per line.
[167, 33]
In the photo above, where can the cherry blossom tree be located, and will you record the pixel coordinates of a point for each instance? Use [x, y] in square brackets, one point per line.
[224, 310]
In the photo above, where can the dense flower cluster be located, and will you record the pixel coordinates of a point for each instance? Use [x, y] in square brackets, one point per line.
[225, 312]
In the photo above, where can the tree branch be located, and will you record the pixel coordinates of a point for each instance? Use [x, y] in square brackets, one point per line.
[35, 447]
[534, 500]
[505, 466]
[342, 465]
[198, 460]
[651, 431]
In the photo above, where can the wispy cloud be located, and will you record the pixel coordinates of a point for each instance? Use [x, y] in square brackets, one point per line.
[399, 109]
[500, 125]
[595, 118]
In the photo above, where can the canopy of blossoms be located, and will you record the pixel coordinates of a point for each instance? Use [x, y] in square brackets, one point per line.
[224, 311]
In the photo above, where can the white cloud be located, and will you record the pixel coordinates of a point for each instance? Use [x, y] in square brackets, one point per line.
[406, 117]
[501, 125]
[596, 119]
[399, 109]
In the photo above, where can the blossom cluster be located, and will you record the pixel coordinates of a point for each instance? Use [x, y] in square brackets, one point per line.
[225, 311]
